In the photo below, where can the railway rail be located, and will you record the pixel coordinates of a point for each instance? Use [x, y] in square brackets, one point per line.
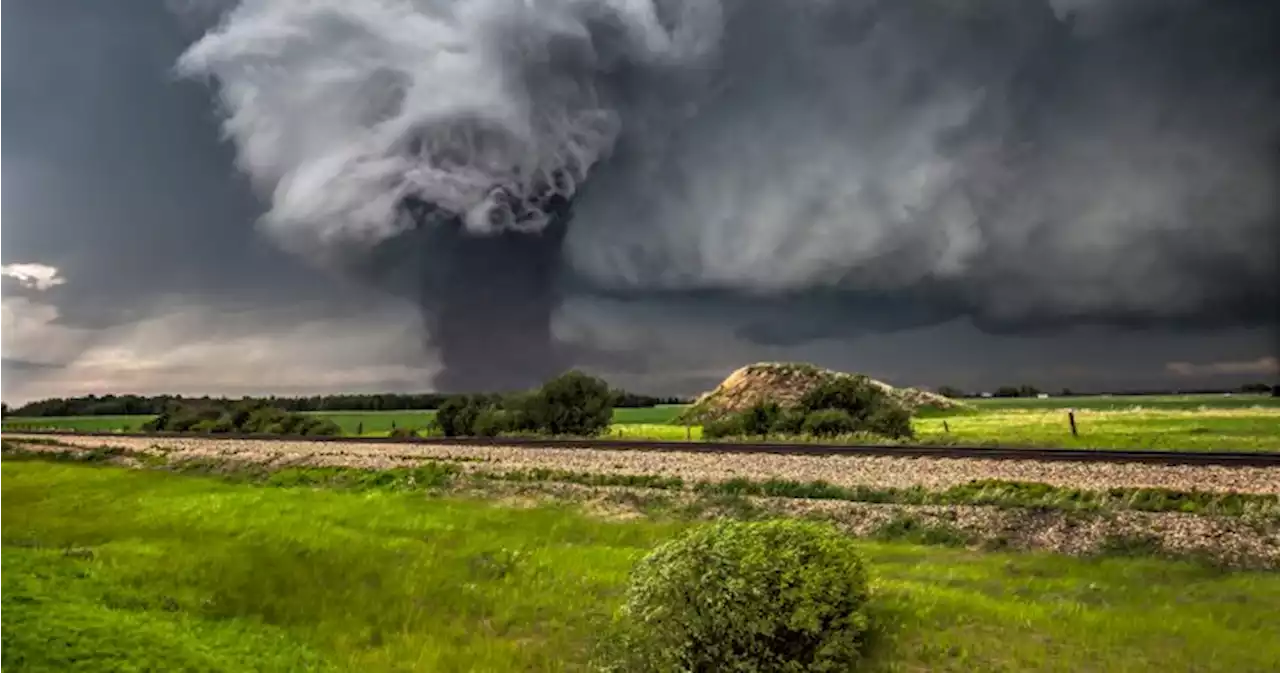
[1164, 457]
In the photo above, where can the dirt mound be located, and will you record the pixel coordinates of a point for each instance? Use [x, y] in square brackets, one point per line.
[786, 384]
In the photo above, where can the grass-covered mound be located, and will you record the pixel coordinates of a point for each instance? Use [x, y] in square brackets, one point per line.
[786, 384]
[792, 400]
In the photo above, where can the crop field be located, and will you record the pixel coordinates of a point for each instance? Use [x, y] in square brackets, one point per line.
[107, 568]
[1171, 422]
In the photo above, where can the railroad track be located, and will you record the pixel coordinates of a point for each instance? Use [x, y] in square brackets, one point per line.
[1201, 458]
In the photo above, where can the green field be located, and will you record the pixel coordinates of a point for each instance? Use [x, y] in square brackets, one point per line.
[1171, 422]
[85, 423]
[110, 569]
[370, 422]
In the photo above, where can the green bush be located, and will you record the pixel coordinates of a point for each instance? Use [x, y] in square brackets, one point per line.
[760, 418]
[203, 426]
[890, 421]
[758, 421]
[780, 595]
[403, 433]
[491, 422]
[726, 426]
[789, 422]
[829, 423]
[870, 408]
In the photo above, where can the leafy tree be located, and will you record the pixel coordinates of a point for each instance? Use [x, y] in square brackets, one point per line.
[457, 416]
[950, 391]
[573, 403]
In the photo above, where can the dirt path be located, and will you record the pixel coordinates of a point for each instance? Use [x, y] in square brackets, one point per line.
[840, 470]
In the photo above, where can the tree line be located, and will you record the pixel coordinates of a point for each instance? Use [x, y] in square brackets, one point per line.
[1025, 390]
[570, 404]
[124, 405]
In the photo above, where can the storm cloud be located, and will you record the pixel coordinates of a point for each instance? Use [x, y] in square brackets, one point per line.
[841, 181]
[1027, 165]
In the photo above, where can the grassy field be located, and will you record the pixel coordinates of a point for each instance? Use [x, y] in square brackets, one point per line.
[109, 569]
[1171, 422]
[85, 423]
[1167, 429]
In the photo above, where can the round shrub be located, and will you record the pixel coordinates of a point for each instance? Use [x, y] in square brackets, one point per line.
[789, 422]
[727, 426]
[779, 595]
[890, 421]
[829, 423]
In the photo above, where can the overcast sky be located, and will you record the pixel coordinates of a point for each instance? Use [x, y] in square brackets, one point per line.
[134, 263]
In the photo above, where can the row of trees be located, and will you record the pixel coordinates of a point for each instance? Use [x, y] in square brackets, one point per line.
[1025, 390]
[570, 404]
[120, 405]
[243, 417]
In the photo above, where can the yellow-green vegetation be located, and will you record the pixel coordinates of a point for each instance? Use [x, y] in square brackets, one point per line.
[109, 569]
[131, 423]
[1256, 429]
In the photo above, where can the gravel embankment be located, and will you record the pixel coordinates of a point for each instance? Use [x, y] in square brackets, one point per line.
[934, 473]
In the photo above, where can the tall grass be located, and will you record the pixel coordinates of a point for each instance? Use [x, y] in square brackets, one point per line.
[107, 569]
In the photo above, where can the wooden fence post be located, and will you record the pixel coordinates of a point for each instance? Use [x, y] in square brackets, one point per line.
[946, 428]
[1071, 418]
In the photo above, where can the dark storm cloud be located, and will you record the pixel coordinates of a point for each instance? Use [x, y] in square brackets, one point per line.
[799, 169]
[114, 170]
[849, 182]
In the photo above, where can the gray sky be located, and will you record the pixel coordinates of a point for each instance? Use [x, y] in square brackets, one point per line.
[148, 273]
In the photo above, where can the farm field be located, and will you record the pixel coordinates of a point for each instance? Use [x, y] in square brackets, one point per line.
[173, 572]
[1173, 422]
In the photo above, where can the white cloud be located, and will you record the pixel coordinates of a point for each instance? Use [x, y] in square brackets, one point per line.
[199, 350]
[33, 275]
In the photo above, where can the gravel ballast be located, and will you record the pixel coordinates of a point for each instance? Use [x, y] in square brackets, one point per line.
[849, 471]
